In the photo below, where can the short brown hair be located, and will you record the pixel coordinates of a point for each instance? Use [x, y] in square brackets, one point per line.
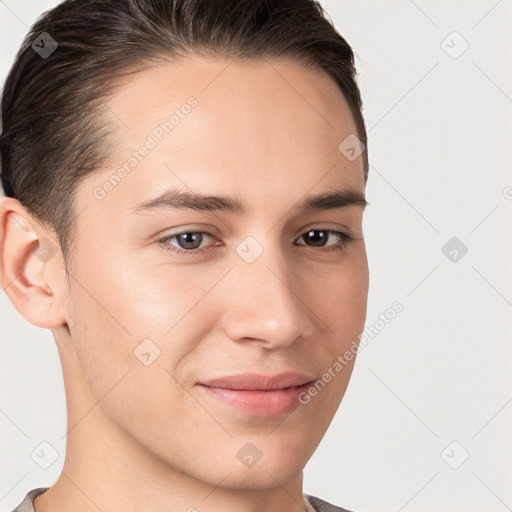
[52, 134]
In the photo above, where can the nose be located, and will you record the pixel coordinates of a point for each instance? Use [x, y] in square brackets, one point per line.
[266, 304]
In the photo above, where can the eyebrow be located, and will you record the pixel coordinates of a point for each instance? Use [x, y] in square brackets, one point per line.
[178, 199]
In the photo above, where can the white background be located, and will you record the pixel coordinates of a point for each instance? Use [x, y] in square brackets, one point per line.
[440, 137]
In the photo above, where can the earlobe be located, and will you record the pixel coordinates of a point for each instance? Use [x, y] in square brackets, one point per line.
[29, 263]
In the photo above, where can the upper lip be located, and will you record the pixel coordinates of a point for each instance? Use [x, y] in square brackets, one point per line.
[255, 381]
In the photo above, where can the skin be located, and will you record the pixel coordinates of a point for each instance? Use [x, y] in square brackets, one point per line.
[146, 437]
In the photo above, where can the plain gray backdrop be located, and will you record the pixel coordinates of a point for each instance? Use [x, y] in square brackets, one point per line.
[426, 420]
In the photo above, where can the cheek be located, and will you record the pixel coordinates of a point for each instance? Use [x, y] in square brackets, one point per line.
[102, 343]
[154, 297]
[128, 390]
[339, 297]
[118, 311]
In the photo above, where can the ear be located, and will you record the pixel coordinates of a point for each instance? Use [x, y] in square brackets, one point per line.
[31, 270]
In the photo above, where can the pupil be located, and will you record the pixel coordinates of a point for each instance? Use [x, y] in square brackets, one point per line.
[188, 238]
[316, 238]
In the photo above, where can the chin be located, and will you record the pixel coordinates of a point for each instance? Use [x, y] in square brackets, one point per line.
[262, 476]
[275, 464]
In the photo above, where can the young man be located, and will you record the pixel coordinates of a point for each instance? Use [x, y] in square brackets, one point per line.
[184, 188]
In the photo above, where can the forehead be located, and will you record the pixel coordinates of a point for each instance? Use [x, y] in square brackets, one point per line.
[228, 81]
[253, 125]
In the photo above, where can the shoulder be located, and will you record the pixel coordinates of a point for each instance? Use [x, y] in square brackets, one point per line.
[320, 505]
[27, 505]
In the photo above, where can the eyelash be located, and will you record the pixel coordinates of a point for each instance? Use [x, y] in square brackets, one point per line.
[345, 239]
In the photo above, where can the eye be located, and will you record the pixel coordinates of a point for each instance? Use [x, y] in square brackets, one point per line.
[190, 242]
[319, 238]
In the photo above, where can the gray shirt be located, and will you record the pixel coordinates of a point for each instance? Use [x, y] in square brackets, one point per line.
[312, 502]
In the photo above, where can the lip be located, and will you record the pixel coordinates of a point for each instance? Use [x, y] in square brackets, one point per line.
[259, 395]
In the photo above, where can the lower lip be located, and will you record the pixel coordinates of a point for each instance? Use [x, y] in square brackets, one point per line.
[265, 404]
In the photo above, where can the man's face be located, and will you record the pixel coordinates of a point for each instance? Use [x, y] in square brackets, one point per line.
[262, 294]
